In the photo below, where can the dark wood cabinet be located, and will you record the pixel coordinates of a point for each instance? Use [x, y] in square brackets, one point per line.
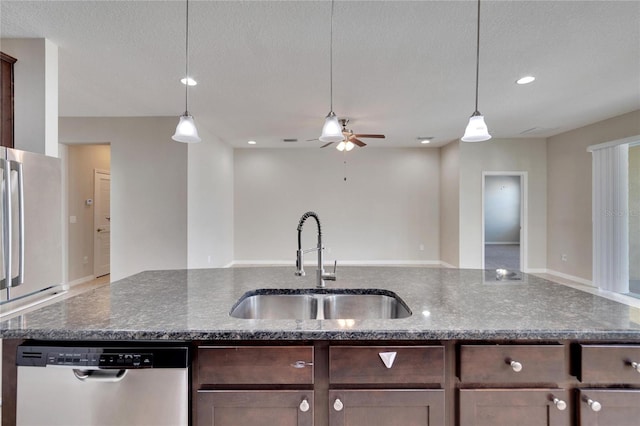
[407, 407]
[253, 385]
[509, 407]
[607, 407]
[412, 365]
[6, 100]
[255, 408]
[615, 370]
[505, 385]
[514, 364]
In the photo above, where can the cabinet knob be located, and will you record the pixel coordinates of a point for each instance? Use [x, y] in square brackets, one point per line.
[560, 404]
[515, 365]
[594, 405]
[636, 366]
[304, 406]
[338, 405]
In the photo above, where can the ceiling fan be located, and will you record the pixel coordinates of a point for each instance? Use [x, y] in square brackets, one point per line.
[350, 138]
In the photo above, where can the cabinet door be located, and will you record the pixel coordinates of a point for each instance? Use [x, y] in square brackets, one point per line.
[255, 408]
[606, 407]
[508, 407]
[386, 407]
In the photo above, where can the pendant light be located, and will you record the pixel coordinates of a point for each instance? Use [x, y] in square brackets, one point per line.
[477, 130]
[186, 129]
[331, 131]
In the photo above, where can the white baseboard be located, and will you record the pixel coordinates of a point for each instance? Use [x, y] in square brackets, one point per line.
[447, 265]
[502, 243]
[81, 280]
[341, 262]
[562, 275]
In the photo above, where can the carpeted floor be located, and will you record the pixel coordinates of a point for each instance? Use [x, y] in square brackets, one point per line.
[506, 256]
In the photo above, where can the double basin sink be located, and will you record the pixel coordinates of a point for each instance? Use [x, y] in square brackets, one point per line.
[320, 304]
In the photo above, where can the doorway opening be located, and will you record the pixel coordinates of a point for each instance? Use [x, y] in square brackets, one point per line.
[503, 220]
[88, 206]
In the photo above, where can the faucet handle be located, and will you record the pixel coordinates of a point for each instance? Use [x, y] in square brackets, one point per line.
[331, 276]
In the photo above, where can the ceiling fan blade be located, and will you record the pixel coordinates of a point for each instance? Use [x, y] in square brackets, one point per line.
[311, 140]
[369, 136]
[326, 145]
[357, 141]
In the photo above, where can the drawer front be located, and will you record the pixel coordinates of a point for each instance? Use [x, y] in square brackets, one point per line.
[509, 407]
[612, 364]
[234, 408]
[386, 407]
[607, 407]
[408, 365]
[255, 365]
[512, 364]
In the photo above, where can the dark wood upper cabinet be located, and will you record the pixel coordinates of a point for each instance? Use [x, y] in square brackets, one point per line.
[6, 100]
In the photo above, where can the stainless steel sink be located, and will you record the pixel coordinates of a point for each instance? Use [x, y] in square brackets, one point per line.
[276, 306]
[364, 306]
[319, 304]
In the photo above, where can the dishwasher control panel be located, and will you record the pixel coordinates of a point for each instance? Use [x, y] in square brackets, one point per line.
[102, 357]
[102, 360]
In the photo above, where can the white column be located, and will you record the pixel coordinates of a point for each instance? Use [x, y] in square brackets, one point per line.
[610, 218]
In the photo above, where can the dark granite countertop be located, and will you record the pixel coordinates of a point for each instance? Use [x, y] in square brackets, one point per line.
[446, 304]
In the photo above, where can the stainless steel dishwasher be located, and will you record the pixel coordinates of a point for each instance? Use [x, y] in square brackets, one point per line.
[102, 385]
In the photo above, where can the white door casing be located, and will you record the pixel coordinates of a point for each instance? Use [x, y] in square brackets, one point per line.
[523, 214]
[102, 223]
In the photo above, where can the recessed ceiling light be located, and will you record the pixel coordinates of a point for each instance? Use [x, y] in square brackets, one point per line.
[252, 142]
[189, 80]
[526, 80]
[425, 139]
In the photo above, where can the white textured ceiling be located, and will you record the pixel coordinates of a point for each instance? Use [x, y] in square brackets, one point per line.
[403, 68]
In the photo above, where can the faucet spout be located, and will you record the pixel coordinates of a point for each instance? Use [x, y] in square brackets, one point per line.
[321, 275]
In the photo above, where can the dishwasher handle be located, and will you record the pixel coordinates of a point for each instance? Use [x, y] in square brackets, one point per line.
[99, 375]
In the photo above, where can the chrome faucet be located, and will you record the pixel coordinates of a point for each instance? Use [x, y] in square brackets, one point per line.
[321, 275]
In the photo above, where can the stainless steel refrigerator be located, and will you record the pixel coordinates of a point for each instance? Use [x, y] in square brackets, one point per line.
[31, 227]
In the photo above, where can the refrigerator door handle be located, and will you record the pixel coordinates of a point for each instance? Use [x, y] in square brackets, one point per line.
[6, 225]
[19, 278]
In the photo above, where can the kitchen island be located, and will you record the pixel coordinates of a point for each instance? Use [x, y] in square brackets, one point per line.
[547, 338]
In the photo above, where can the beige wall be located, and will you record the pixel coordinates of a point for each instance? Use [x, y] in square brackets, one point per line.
[386, 209]
[569, 192]
[450, 203]
[210, 198]
[513, 155]
[148, 189]
[82, 160]
[634, 212]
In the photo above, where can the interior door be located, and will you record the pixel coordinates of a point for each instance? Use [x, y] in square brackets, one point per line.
[102, 223]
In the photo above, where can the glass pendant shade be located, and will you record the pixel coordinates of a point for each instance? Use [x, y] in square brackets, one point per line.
[186, 130]
[477, 130]
[331, 131]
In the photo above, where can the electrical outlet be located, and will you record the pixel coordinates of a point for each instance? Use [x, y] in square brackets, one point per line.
[85, 260]
[563, 257]
[208, 259]
[421, 247]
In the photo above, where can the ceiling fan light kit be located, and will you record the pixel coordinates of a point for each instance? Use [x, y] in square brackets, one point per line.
[345, 146]
[186, 130]
[477, 130]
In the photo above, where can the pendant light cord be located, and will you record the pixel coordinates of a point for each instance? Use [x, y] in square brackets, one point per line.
[477, 59]
[186, 91]
[331, 61]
